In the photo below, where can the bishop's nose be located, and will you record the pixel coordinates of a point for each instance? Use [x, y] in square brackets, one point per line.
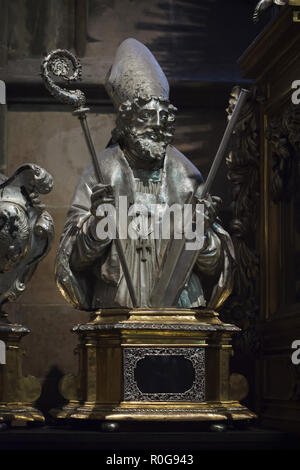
[157, 119]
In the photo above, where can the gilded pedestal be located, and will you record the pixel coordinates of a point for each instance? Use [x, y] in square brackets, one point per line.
[159, 365]
[17, 393]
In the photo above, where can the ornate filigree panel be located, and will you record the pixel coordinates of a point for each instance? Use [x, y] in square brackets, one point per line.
[194, 356]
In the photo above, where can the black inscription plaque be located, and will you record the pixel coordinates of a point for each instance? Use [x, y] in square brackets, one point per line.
[164, 374]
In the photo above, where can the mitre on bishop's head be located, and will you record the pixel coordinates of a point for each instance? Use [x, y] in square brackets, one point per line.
[135, 72]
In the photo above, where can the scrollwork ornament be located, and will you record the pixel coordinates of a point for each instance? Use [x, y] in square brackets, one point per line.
[59, 63]
[16, 289]
[283, 134]
[243, 163]
[26, 229]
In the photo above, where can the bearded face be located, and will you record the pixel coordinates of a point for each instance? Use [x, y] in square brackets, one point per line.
[147, 132]
[148, 145]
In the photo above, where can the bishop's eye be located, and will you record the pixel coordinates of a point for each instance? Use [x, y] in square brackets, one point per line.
[164, 117]
[171, 117]
[144, 115]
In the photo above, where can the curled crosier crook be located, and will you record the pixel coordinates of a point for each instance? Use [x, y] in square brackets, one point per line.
[57, 63]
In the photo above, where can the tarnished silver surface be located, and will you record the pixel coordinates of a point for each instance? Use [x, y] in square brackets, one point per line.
[131, 356]
[135, 73]
[26, 229]
[173, 265]
[140, 164]
[264, 5]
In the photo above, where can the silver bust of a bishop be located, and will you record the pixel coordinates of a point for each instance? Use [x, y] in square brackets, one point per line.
[141, 167]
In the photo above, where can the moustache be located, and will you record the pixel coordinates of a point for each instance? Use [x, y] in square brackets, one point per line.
[157, 135]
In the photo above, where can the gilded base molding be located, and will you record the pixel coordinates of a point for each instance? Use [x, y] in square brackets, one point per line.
[17, 393]
[222, 411]
[152, 365]
[19, 414]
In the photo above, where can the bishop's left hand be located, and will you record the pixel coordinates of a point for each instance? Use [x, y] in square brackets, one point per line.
[211, 209]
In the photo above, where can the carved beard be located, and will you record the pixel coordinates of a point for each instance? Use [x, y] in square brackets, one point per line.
[148, 145]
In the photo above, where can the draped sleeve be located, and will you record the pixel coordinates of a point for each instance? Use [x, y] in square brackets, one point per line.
[78, 249]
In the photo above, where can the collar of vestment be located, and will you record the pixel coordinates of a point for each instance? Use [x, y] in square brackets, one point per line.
[179, 180]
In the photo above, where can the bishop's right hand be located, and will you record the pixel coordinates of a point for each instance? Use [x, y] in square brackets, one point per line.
[101, 194]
